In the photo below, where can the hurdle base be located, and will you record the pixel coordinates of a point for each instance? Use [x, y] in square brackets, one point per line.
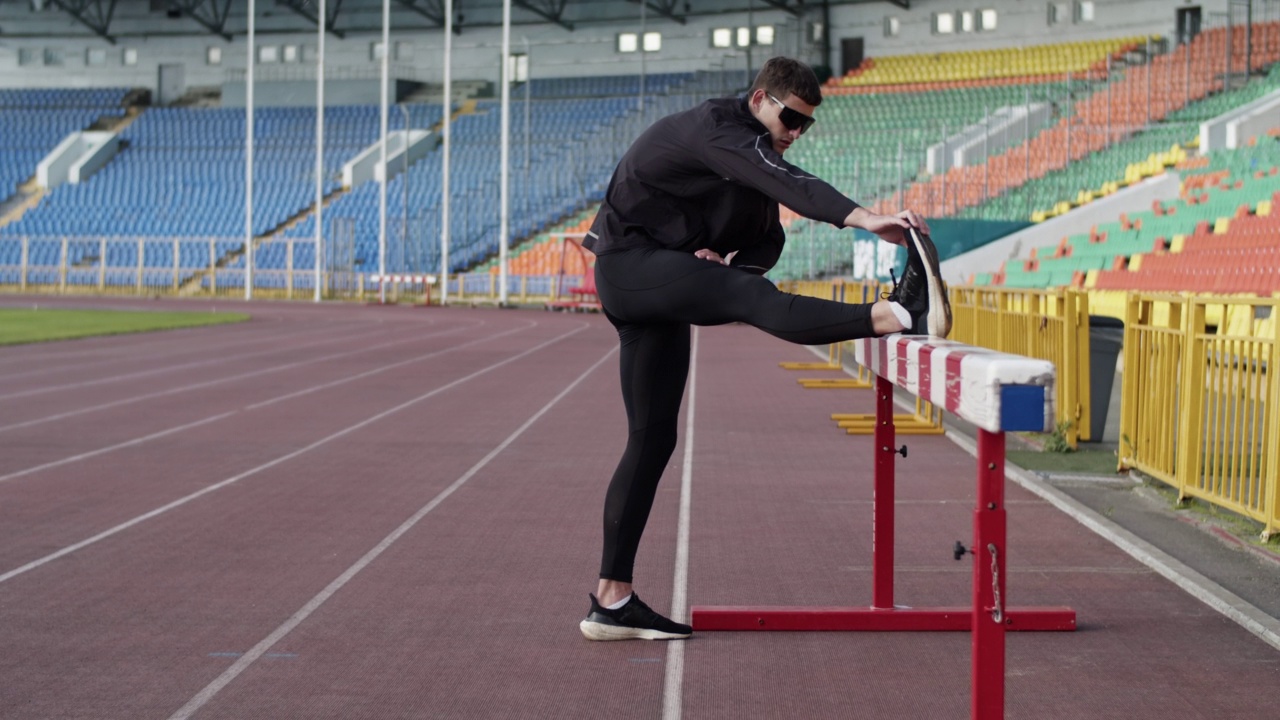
[827, 619]
[810, 366]
[833, 384]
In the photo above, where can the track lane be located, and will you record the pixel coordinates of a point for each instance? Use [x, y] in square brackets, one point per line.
[246, 381]
[80, 491]
[222, 572]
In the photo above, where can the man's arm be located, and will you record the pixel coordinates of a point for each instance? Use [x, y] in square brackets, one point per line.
[736, 154]
[762, 256]
[890, 228]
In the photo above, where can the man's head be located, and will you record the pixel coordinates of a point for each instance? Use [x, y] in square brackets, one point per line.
[783, 98]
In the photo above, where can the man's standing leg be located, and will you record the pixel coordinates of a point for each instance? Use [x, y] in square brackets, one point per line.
[654, 365]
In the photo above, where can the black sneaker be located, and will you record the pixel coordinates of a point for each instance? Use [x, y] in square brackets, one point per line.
[921, 291]
[633, 621]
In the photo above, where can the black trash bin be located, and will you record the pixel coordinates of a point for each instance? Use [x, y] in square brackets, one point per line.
[1106, 337]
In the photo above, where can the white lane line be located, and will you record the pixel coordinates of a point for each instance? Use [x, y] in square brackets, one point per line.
[283, 458]
[243, 662]
[673, 683]
[153, 371]
[112, 448]
[209, 383]
[36, 353]
[130, 352]
[197, 423]
[1232, 606]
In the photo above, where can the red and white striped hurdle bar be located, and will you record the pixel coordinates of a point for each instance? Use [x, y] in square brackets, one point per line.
[411, 279]
[995, 391]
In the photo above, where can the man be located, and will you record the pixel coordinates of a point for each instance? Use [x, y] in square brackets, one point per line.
[688, 225]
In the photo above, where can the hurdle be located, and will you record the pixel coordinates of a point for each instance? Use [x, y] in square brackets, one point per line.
[399, 284]
[998, 393]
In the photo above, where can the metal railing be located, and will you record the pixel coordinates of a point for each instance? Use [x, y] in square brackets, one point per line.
[1201, 409]
[1048, 325]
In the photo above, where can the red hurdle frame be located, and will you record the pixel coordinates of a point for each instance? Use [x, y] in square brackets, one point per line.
[988, 619]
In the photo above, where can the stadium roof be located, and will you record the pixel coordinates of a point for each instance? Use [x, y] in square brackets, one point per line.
[220, 18]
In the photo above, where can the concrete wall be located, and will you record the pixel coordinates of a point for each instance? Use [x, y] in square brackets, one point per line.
[554, 51]
[301, 93]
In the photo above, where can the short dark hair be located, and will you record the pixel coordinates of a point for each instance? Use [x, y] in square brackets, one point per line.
[782, 75]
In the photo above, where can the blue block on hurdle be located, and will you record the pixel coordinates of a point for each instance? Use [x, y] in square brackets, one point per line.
[1022, 408]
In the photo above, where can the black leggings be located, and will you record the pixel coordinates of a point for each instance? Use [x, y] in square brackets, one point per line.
[652, 297]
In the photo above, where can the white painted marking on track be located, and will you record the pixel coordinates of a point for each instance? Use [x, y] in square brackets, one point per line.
[349, 378]
[321, 442]
[140, 374]
[219, 381]
[118, 356]
[673, 683]
[243, 662]
[117, 446]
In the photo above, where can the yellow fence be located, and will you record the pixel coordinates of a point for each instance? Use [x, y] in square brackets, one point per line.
[1048, 325]
[1201, 409]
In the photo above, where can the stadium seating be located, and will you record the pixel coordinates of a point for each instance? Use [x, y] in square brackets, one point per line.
[33, 122]
[936, 69]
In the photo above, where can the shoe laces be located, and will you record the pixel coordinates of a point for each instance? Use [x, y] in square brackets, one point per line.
[894, 290]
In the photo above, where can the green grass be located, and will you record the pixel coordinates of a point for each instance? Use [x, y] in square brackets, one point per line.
[1092, 462]
[19, 326]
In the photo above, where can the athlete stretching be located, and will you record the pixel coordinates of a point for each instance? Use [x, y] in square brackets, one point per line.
[688, 225]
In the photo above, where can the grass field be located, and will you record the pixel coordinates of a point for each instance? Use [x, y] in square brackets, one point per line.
[21, 325]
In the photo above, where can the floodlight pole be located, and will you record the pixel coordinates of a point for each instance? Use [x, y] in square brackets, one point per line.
[448, 145]
[319, 254]
[504, 171]
[248, 159]
[382, 189]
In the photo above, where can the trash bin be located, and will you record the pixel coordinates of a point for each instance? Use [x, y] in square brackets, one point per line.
[1106, 337]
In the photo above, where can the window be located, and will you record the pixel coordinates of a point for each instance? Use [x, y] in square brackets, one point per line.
[129, 56]
[967, 21]
[986, 20]
[892, 26]
[744, 36]
[518, 69]
[944, 23]
[628, 42]
[1084, 11]
[652, 41]
[213, 56]
[95, 57]
[764, 35]
[375, 50]
[27, 56]
[722, 38]
[268, 54]
[290, 53]
[1058, 13]
[52, 57]
[404, 51]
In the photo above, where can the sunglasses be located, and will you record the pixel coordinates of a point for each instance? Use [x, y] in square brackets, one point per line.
[793, 119]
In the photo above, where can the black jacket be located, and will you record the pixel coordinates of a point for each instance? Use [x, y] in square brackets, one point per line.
[709, 178]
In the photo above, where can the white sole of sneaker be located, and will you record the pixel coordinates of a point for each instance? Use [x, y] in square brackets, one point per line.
[602, 632]
[938, 322]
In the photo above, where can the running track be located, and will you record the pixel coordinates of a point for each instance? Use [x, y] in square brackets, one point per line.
[339, 512]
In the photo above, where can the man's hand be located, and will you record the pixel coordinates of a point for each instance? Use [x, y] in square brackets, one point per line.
[711, 255]
[890, 228]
